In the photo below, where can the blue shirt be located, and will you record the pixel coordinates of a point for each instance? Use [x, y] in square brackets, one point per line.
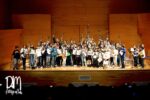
[53, 52]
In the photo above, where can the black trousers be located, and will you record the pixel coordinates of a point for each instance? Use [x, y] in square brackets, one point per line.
[135, 61]
[59, 60]
[122, 62]
[44, 61]
[141, 62]
[100, 64]
[111, 61]
[95, 63]
[118, 60]
[78, 59]
[24, 63]
[74, 59]
[68, 61]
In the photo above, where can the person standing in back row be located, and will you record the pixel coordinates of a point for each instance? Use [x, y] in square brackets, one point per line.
[122, 53]
[24, 52]
[15, 58]
[54, 54]
[141, 55]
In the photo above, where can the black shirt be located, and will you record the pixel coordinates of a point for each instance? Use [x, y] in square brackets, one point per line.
[16, 54]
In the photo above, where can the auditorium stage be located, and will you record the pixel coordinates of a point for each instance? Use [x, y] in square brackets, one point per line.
[63, 76]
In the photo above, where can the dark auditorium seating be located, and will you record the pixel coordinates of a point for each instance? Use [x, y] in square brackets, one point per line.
[127, 91]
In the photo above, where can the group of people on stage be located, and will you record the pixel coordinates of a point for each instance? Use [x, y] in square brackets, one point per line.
[138, 54]
[85, 53]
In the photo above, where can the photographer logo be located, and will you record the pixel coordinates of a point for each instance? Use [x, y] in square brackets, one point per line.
[13, 85]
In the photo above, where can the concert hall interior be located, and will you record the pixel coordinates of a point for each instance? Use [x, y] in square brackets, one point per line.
[122, 22]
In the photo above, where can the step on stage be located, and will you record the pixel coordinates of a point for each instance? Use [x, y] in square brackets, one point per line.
[79, 76]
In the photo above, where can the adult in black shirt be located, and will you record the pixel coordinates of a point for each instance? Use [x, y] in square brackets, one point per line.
[15, 58]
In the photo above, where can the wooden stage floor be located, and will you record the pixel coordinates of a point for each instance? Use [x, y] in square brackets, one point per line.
[63, 76]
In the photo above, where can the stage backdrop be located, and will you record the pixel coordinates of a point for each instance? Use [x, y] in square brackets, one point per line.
[8, 40]
[124, 28]
[35, 27]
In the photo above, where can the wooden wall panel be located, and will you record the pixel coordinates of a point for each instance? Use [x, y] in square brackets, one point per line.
[77, 14]
[76, 32]
[124, 28]
[68, 33]
[8, 40]
[144, 29]
[35, 27]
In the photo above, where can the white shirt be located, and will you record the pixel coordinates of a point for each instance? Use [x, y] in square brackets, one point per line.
[84, 52]
[142, 53]
[38, 52]
[78, 52]
[115, 52]
[106, 55]
[90, 53]
[49, 51]
[100, 57]
[43, 51]
[32, 51]
[95, 55]
[131, 49]
[59, 51]
[24, 52]
[74, 52]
